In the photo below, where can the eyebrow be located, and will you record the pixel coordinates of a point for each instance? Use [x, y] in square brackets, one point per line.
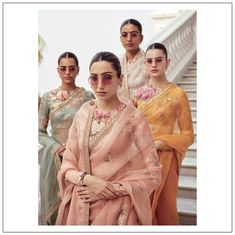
[103, 73]
[68, 66]
[129, 32]
[159, 57]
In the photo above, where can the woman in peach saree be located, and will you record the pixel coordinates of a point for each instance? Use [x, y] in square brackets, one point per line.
[110, 165]
[167, 110]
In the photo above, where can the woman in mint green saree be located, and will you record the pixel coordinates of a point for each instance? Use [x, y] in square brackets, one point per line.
[57, 107]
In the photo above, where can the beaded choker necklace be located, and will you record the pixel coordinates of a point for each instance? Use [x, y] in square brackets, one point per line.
[105, 116]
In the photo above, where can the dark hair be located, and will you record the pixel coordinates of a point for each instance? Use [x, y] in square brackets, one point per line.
[158, 46]
[109, 57]
[68, 55]
[134, 22]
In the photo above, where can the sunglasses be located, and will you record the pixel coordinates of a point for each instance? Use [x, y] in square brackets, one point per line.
[157, 60]
[132, 34]
[94, 79]
[71, 69]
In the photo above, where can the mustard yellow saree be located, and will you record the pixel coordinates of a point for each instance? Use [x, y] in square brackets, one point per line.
[170, 121]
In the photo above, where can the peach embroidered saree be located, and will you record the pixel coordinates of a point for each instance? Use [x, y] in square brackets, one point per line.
[123, 152]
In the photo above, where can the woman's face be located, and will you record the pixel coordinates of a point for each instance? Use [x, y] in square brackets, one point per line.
[104, 81]
[156, 63]
[131, 37]
[68, 70]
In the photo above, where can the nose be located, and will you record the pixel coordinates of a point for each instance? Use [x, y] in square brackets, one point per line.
[129, 37]
[100, 85]
[154, 63]
[67, 70]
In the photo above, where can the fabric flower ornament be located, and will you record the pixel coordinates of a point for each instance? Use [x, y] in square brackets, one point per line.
[145, 93]
[62, 95]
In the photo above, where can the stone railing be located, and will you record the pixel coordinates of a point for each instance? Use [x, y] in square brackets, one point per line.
[179, 37]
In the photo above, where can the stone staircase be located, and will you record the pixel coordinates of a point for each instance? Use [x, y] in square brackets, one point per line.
[187, 193]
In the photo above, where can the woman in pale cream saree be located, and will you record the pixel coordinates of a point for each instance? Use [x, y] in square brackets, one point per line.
[57, 107]
[132, 61]
[110, 164]
[167, 109]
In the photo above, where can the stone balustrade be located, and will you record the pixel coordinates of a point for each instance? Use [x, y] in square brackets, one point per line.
[179, 37]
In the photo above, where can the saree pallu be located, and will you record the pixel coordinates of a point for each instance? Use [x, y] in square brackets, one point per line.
[134, 75]
[123, 152]
[170, 120]
[60, 115]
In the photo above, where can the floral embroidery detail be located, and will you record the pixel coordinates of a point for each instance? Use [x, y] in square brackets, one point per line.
[123, 215]
[62, 95]
[105, 116]
[145, 93]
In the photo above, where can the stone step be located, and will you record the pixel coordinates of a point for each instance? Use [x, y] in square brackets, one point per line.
[194, 112]
[187, 210]
[192, 150]
[194, 124]
[189, 166]
[189, 77]
[193, 102]
[192, 68]
[191, 93]
[187, 84]
[195, 136]
[187, 187]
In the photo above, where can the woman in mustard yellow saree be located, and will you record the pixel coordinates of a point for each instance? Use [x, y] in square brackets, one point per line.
[57, 107]
[110, 165]
[167, 110]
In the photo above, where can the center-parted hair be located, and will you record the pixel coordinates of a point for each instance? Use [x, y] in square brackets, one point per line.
[68, 55]
[109, 57]
[134, 22]
[159, 46]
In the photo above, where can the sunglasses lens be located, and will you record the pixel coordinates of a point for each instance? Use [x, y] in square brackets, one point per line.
[149, 61]
[71, 69]
[107, 79]
[93, 80]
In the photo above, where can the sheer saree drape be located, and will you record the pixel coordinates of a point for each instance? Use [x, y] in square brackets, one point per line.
[169, 118]
[60, 115]
[124, 154]
[134, 75]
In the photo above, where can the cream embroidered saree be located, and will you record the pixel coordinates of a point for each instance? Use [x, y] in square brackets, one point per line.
[123, 152]
[134, 75]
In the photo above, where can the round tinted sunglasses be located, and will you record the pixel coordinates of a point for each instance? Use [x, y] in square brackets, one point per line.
[94, 79]
[70, 69]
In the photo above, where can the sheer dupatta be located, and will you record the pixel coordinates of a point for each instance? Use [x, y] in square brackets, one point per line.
[125, 154]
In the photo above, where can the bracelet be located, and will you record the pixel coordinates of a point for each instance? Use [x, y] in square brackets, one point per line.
[82, 177]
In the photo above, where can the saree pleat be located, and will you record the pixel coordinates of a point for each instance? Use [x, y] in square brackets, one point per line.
[170, 121]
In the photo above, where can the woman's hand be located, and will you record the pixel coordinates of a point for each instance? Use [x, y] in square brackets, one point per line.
[99, 187]
[160, 145]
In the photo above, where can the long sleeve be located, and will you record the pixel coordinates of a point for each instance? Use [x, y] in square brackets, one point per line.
[44, 138]
[182, 140]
